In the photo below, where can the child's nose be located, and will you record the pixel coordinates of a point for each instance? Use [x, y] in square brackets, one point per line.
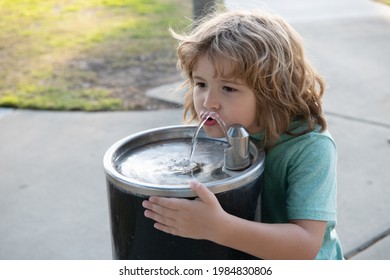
[212, 102]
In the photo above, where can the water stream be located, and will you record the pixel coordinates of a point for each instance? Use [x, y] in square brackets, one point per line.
[193, 166]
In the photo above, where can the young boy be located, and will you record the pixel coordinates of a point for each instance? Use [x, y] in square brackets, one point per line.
[250, 68]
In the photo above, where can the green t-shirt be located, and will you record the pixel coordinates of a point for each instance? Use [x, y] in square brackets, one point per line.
[299, 182]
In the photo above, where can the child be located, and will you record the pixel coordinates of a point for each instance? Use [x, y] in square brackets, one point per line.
[250, 68]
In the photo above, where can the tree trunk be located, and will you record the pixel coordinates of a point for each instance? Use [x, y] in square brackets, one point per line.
[202, 7]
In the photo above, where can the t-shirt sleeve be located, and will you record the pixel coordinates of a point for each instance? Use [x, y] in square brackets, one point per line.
[311, 190]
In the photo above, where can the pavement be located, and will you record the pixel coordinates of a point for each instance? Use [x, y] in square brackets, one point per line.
[53, 198]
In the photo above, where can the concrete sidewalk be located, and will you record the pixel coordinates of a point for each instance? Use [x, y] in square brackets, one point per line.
[53, 200]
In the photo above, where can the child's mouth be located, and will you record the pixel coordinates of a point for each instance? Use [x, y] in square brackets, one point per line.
[210, 121]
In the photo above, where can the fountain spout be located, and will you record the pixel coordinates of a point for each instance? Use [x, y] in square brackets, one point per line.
[237, 155]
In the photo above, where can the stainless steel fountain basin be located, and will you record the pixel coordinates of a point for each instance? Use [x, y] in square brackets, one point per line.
[133, 235]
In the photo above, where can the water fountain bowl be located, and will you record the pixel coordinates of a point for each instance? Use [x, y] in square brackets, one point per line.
[151, 163]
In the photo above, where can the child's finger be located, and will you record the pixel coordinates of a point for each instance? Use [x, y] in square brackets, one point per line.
[203, 193]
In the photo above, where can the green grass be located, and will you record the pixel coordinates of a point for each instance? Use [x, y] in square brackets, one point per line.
[39, 39]
[387, 2]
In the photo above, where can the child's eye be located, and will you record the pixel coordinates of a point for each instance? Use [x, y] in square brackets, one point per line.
[229, 89]
[200, 85]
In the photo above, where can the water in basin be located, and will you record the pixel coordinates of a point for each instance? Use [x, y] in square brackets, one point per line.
[177, 161]
[168, 162]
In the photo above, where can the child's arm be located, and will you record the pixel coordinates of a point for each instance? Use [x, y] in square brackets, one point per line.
[204, 218]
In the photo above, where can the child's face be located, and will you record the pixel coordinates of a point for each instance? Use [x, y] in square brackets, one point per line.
[232, 99]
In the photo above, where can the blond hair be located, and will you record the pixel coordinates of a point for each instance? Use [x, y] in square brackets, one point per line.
[266, 53]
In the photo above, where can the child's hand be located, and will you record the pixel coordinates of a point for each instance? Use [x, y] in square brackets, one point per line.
[197, 219]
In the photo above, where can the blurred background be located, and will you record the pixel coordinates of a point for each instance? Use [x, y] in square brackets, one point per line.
[77, 76]
[87, 55]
